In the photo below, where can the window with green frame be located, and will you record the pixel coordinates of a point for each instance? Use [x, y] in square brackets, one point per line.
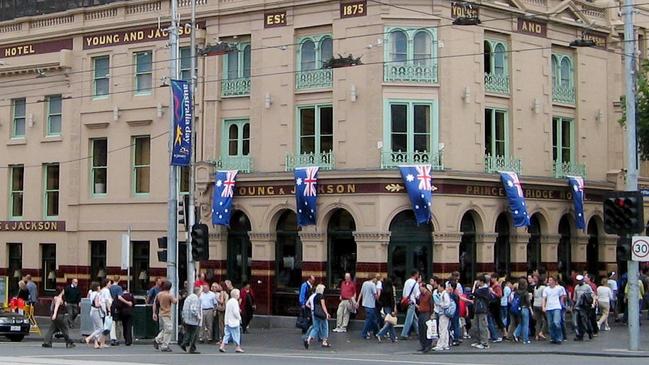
[496, 133]
[315, 129]
[496, 68]
[16, 191]
[410, 55]
[186, 63]
[237, 63]
[411, 126]
[143, 72]
[236, 138]
[18, 107]
[100, 76]
[99, 166]
[563, 84]
[51, 190]
[54, 115]
[563, 140]
[312, 53]
[141, 169]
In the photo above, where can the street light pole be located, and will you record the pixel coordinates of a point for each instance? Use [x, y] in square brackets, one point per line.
[191, 219]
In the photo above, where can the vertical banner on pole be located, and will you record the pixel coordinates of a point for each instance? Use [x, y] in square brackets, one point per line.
[181, 155]
[125, 251]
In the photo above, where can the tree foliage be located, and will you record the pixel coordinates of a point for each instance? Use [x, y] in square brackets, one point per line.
[642, 110]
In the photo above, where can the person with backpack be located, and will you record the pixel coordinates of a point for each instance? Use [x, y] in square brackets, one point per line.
[520, 306]
[448, 311]
[481, 298]
[409, 297]
[495, 324]
[541, 327]
[583, 304]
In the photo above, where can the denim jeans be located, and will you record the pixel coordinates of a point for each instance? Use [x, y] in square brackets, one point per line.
[411, 320]
[370, 322]
[387, 329]
[504, 315]
[232, 333]
[554, 324]
[319, 329]
[493, 330]
[523, 328]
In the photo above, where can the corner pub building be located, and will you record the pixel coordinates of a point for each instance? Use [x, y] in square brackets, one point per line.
[83, 143]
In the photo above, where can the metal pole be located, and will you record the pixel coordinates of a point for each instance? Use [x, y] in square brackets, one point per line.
[191, 219]
[128, 260]
[172, 239]
[632, 167]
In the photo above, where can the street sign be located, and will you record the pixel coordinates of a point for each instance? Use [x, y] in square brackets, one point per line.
[640, 248]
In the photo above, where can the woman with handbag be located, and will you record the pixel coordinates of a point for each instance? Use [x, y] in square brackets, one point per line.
[389, 307]
[95, 315]
[320, 326]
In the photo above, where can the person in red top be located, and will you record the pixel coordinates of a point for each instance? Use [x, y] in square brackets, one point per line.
[347, 303]
[247, 306]
[200, 281]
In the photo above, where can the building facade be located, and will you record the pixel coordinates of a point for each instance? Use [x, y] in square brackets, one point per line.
[84, 121]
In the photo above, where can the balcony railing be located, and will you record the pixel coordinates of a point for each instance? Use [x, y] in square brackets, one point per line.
[563, 169]
[563, 94]
[235, 87]
[314, 79]
[325, 160]
[501, 163]
[241, 163]
[410, 73]
[392, 159]
[496, 83]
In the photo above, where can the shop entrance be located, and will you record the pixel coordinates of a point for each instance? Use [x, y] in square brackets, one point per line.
[410, 247]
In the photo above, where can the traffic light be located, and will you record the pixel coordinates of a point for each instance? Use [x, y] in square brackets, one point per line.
[200, 242]
[623, 249]
[183, 210]
[162, 245]
[623, 213]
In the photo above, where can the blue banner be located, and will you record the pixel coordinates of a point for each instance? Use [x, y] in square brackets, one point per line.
[516, 198]
[419, 186]
[181, 154]
[222, 197]
[577, 186]
[306, 195]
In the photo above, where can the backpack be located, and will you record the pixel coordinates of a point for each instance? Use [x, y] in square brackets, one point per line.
[481, 306]
[515, 305]
[586, 300]
[450, 310]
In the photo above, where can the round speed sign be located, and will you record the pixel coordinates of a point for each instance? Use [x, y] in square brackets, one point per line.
[640, 249]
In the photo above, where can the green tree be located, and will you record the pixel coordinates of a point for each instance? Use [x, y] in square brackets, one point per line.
[642, 110]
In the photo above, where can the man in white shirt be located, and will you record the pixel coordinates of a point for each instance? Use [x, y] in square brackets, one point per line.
[208, 303]
[367, 298]
[411, 291]
[553, 298]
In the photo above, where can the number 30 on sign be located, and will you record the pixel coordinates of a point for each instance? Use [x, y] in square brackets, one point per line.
[350, 9]
[640, 248]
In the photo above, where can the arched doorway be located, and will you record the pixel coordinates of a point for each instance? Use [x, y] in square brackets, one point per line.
[341, 247]
[239, 249]
[534, 244]
[592, 249]
[410, 247]
[467, 255]
[564, 254]
[502, 254]
[288, 252]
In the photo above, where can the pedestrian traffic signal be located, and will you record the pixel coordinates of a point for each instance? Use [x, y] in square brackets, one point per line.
[623, 213]
[183, 210]
[623, 249]
[162, 245]
[200, 242]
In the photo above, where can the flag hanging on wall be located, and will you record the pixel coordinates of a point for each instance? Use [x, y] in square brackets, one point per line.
[222, 198]
[516, 198]
[419, 185]
[306, 195]
[577, 186]
[181, 154]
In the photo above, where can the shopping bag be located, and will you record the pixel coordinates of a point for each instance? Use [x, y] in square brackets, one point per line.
[431, 332]
[108, 323]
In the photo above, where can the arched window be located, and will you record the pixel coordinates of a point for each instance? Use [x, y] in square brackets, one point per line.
[566, 72]
[468, 254]
[288, 254]
[502, 254]
[534, 244]
[239, 249]
[341, 247]
[422, 48]
[410, 247]
[326, 50]
[564, 254]
[487, 57]
[399, 47]
[499, 59]
[555, 70]
[592, 250]
[246, 61]
[233, 65]
[233, 140]
[307, 55]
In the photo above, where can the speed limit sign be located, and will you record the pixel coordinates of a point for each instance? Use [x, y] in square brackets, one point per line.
[640, 248]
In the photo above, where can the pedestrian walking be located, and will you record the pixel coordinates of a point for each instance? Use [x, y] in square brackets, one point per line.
[221, 300]
[604, 300]
[521, 303]
[583, 302]
[425, 309]
[347, 303]
[482, 296]
[116, 329]
[59, 323]
[449, 308]
[208, 304]
[494, 322]
[367, 298]
[408, 303]
[32, 289]
[304, 317]
[97, 314]
[125, 304]
[553, 298]
[192, 315]
[232, 322]
[153, 292]
[164, 301]
[71, 299]
[248, 306]
[541, 325]
[389, 307]
[320, 328]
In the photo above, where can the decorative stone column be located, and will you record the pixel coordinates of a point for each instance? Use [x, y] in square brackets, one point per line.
[371, 253]
[314, 253]
[578, 252]
[262, 269]
[446, 253]
[518, 252]
[549, 246]
[484, 245]
[216, 267]
[608, 253]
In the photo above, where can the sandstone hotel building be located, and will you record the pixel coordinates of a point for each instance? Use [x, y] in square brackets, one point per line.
[84, 119]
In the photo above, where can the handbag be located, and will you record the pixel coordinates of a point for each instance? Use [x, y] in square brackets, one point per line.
[405, 301]
[318, 312]
[108, 323]
[390, 319]
[431, 330]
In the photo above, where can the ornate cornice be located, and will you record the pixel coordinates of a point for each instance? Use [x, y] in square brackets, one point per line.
[372, 236]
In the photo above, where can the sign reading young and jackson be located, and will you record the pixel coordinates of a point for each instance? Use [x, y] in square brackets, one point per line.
[32, 226]
[461, 9]
[133, 35]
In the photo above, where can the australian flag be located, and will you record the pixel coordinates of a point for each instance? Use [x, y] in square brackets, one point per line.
[306, 195]
[516, 198]
[577, 186]
[419, 185]
[222, 198]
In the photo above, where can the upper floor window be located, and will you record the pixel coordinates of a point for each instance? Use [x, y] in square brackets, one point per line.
[496, 141]
[562, 140]
[51, 193]
[496, 71]
[186, 64]
[101, 76]
[236, 71]
[54, 106]
[141, 168]
[18, 107]
[99, 166]
[313, 52]
[237, 133]
[143, 72]
[16, 190]
[316, 132]
[563, 86]
[410, 55]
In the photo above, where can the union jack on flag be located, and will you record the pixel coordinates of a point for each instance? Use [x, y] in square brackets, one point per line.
[306, 195]
[228, 183]
[423, 175]
[222, 197]
[310, 181]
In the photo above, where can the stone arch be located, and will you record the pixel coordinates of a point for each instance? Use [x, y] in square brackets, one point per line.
[396, 211]
[244, 209]
[325, 213]
[477, 213]
[272, 216]
[342, 250]
[542, 216]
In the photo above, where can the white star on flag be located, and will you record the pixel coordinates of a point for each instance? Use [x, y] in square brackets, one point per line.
[410, 177]
[219, 183]
[298, 181]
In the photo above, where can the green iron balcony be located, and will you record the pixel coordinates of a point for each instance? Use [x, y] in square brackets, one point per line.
[241, 163]
[563, 169]
[410, 73]
[392, 159]
[496, 83]
[563, 94]
[314, 79]
[235, 87]
[325, 160]
[494, 164]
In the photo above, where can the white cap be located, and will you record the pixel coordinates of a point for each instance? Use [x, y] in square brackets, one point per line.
[580, 277]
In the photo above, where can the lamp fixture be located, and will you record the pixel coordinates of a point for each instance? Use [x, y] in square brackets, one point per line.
[30, 120]
[159, 111]
[115, 113]
[353, 94]
[17, 274]
[536, 106]
[51, 275]
[599, 116]
[466, 96]
[143, 275]
[268, 101]
[101, 273]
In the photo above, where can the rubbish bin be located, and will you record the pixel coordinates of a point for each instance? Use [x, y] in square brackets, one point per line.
[144, 327]
[86, 323]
